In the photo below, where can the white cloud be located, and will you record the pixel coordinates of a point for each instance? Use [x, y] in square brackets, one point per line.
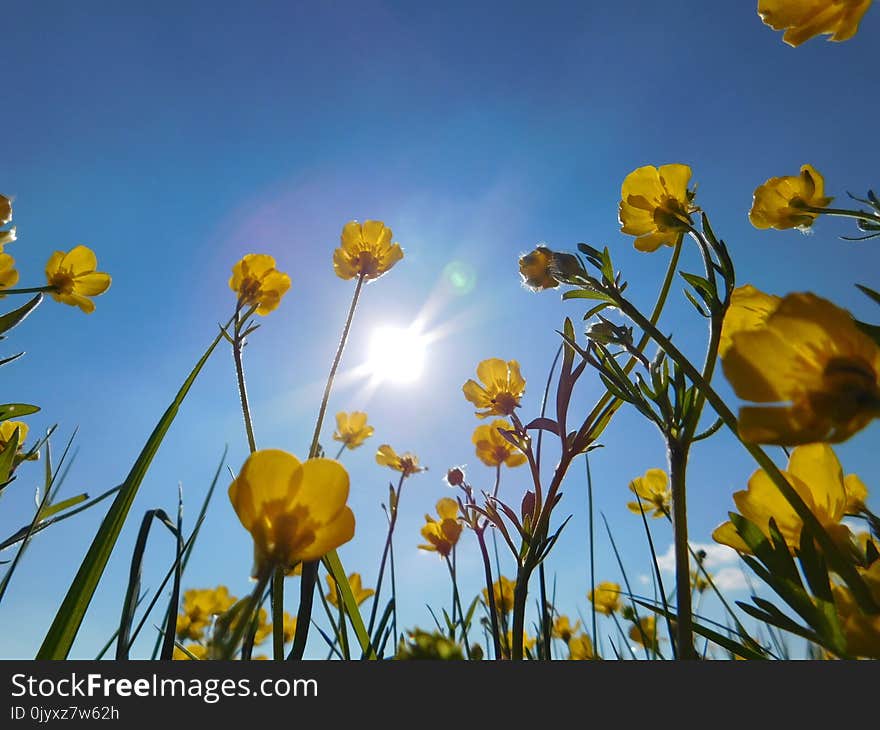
[716, 556]
[645, 579]
[730, 579]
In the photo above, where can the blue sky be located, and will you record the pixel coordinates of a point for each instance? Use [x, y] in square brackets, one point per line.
[174, 138]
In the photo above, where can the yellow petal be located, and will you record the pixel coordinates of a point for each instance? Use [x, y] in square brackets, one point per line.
[80, 260]
[323, 490]
[91, 285]
[331, 536]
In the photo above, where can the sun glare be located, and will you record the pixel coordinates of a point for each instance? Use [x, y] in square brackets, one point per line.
[397, 354]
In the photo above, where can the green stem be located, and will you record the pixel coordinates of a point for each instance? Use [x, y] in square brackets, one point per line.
[30, 290]
[237, 345]
[456, 603]
[278, 614]
[339, 453]
[843, 213]
[392, 521]
[684, 631]
[490, 592]
[520, 594]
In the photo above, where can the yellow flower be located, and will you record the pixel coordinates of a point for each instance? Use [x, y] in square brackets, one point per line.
[606, 598]
[805, 19]
[779, 202]
[7, 428]
[8, 272]
[200, 605]
[352, 429]
[197, 650]
[294, 511]
[654, 491]
[580, 648]
[655, 205]
[810, 356]
[442, 534]
[748, 311]
[5, 210]
[534, 268]
[360, 593]
[502, 388]
[856, 494]
[288, 627]
[366, 250]
[562, 628]
[406, 463]
[816, 475]
[862, 631]
[75, 279]
[645, 632]
[528, 643]
[502, 592]
[493, 449]
[258, 283]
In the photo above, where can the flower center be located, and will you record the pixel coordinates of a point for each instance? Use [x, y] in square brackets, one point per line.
[249, 291]
[367, 264]
[63, 282]
[505, 403]
[671, 215]
[849, 388]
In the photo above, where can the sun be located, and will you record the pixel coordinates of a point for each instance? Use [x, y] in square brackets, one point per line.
[397, 354]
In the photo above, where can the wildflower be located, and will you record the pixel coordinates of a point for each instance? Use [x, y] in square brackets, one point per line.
[407, 464]
[442, 534]
[352, 429]
[805, 19]
[562, 628]
[534, 268]
[816, 475]
[493, 449]
[258, 283]
[7, 428]
[366, 250]
[197, 650]
[360, 593]
[528, 643]
[502, 592]
[580, 648]
[294, 511]
[779, 202]
[654, 492]
[288, 627]
[74, 279]
[856, 494]
[200, 605]
[8, 272]
[809, 356]
[655, 205]
[862, 631]
[698, 582]
[748, 311]
[606, 598]
[502, 388]
[644, 632]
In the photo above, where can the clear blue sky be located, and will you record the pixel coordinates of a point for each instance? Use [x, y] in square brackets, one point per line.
[173, 138]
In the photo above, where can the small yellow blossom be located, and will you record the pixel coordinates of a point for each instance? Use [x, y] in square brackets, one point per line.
[258, 283]
[502, 592]
[653, 491]
[352, 429]
[655, 205]
[7, 428]
[197, 650]
[811, 359]
[805, 19]
[779, 202]
[366, 250]
[534, 268]
[699, 582]
[493, 449]
[645, 633]
[562, 628]
[606, 598]
[407, 464]
[442, 534]
[856, 494]
[294, 511]
[8, 272]
[580, 648]
[862, 631]
[816, 475]
[502, 388]
[200, 605]
[74, 278]
[360, 593]
[748, 311]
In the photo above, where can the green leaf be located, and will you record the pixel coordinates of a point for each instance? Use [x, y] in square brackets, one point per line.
[16, 410]
[7, 456]
[64, 628]
[868, 292]
[15, 317]
[54, 509]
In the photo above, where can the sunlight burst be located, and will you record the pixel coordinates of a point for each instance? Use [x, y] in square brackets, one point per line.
[397, 354]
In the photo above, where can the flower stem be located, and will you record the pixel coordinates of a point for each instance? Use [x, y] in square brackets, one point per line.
[392, 521]
[29, 290]
[490, 592]
[520, 594]
[456, 603]
[237, 345]
[278, 614]
[684, 632]
[339, 453]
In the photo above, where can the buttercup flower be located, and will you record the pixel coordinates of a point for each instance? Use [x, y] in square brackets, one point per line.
[645, 632]
[502, 592]
[294, 511]
[407, 463]
[8, 272]
[502, 388]
[862, 631]
[749, 310]
[7, 428]
[493, 449]
[606, 598]
[352, 429]
[442, 534]
[779, 202]
[258, 283]
[200, 605]
[562, 628]
[366, 250]
[805, 19]
[816, 475]
[811, 359]
[856, 494]
[653, 491]
[74, 278]
[360, 593]
[655, 205]
[534, 268]
[699, 583]
[580, 648]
